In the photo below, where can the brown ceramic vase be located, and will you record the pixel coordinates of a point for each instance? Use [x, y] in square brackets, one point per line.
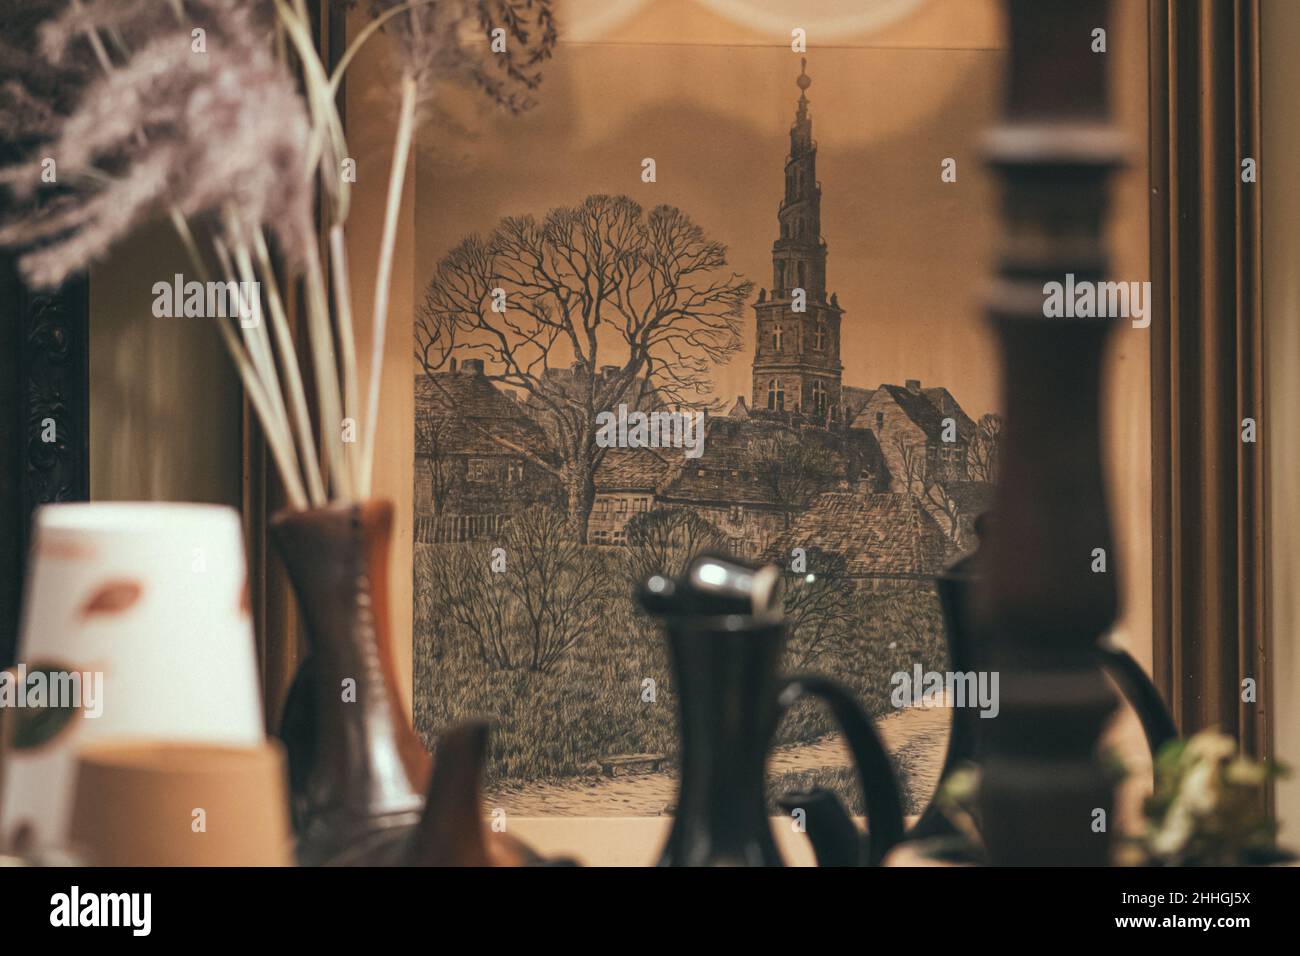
[357, 767]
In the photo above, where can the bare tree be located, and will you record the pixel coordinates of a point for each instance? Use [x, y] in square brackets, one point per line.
[602, 283]
[940, 503]
[793, 471]
[913, 465]
[559, 585]
[476, 600]
[822, 609]
[663, 541]
[431, 435]
[983, 456]
[932, 495]
[526, 607]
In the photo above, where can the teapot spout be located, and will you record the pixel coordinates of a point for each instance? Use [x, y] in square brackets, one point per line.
[835, 838]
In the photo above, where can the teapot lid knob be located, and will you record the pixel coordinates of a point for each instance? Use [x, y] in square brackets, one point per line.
[715, 585]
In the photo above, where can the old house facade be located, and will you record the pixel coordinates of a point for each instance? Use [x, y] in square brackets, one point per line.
[922, 441]
[476, 456]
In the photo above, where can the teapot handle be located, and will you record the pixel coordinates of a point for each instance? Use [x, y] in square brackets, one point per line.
[875, 773]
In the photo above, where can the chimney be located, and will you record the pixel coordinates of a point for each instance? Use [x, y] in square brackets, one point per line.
[453, 365]
[472, 366]
[914, 386]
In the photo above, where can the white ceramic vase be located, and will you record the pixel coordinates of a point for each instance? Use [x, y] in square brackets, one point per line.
[148, 605]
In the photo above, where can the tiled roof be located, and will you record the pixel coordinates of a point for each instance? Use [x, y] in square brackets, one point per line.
[942, 400]
[879, 535]
[475, 411]
[570, 381]
[926, 408]
[855, 400]
[740, 409]
[635, 469]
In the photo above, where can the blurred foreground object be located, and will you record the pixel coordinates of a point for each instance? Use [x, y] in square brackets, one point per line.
[172, 804]
[726, 632]
[1208, 807]
[135, 624]
[1042, 604]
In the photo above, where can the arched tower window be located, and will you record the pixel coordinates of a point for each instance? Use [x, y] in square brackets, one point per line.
[777, 338]
[775, 395]
[819, 337]
[819, 398]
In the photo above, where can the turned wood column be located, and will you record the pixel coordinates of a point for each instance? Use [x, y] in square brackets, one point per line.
[1042, 607]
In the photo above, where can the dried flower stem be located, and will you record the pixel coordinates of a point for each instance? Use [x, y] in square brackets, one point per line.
[289, 362]
[321, 337]
[247, 374]
[383, 278]
[237, 267]
[347, 339]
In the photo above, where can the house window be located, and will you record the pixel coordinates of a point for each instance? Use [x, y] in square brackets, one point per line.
[515, 471]
[480, 469]
[777, 338]
[621, 506]
[880, 420]
[602, 506]
[736, 514]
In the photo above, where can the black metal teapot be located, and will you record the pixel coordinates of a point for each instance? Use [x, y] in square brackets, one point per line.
[725, 633]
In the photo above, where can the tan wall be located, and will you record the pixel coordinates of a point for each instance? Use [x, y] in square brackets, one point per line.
[1280, 428]
[164, 398]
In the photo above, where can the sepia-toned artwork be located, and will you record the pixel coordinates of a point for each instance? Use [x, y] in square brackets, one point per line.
[709, 293]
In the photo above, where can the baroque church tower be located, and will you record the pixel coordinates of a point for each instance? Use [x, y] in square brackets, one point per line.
[797, 356]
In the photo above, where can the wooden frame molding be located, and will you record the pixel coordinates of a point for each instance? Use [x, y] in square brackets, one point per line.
[45, 351]
[1208, 522]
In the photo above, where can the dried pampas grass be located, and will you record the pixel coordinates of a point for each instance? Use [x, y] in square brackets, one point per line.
[219, 116]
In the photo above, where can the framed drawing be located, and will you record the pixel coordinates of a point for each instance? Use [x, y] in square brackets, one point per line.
[712, 292]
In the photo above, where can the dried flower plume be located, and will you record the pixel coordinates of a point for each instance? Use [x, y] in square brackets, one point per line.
[220, 113]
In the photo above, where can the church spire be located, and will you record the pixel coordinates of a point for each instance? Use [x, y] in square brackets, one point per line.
[802, 124]
[797, 328]
[798, 256]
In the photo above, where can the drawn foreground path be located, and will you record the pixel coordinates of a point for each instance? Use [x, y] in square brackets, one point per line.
[919, 735]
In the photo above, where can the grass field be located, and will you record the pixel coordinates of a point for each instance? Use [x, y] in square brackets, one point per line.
[556, 724]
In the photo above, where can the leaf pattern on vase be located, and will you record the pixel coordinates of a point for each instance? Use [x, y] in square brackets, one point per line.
[36, 727]
[112, 597]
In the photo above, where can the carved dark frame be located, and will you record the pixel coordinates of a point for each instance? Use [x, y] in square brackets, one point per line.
[44, 377]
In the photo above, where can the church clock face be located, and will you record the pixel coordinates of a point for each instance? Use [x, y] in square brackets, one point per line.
[708, 294]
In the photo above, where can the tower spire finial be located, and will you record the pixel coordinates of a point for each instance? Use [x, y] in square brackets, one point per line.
[804, 81]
